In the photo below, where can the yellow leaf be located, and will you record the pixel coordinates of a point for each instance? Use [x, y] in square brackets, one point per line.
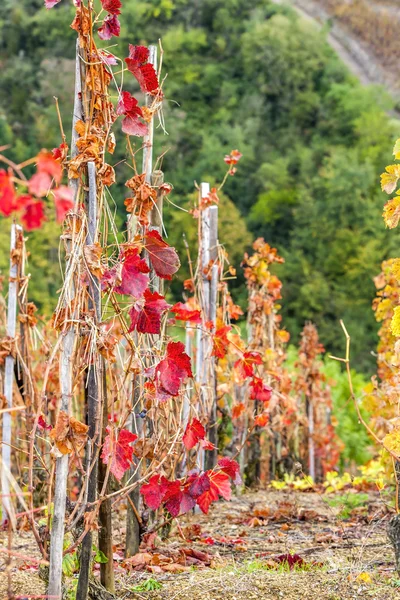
[364, 577]
[390, 178]
[391, 212]
[395, 268]
[396, 149]
[391, 441]
[395, 322]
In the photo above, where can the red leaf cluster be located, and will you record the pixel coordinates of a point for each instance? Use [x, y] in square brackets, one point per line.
[231, 468]
[172, 370]
[112, 6]
[64, 201]
[128, 106]
[110, 27]
[7, 194]
[180, 496]
[119, 451]
[245, 365]
[33, 216]
[221, 342]
[144, 71]
[130, 275]
[183, 312]
[194, 432]
[164, 259]
[259, 390]
[146, 313]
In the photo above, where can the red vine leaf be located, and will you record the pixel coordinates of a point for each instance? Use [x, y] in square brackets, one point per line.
[60, 153]
[237, 410]
[111, 26]
[233, 158]
[194, 432]
[146, 313]
[221, 342]
[245, 365]
[219, 486]
[33, 215]
[40, 184]
[43, 425]
[119, 450]
[47, 163]
[51, 3]
[259, 390]
[173, 369]
[141, 69]
[128, 106]
[151, 492]
[130, 275]
[171, 496]
[207, 445]
[112, 6]
[64, 201]
[164, 259]
[261, 420]
[7, 194]
[183, 312]
[231, 468]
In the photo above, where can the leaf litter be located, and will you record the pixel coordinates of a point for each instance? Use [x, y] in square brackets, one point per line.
[266, 544]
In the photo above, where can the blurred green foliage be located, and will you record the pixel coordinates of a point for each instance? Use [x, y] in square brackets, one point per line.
[246, 75]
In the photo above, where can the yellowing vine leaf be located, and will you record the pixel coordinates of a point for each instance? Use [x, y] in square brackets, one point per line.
[391, 441]
[391, 212]
[390, 178]
[395, 322]
[396, 149]
[395, 268]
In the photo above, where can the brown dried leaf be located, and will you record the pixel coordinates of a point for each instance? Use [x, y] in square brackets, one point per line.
[69, 434]
[92, 254]
[111, 143]
[144, 198]
[107, 174]
[29, 316]
[7, 348]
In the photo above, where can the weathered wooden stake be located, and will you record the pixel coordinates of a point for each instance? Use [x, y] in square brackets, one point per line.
[105, 515]
[212, 455]
[9, 378]
[93, 386]
[311, 447]
[204, 298]
[67, 350]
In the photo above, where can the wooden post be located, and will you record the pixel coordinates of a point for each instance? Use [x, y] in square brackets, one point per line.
[9, 378]
[156, 223]
[67, 350]
[105, 515]
[147, 164]
[311, 447]
[203, 350]
[132, 522]
[212, 455]
[93, 386]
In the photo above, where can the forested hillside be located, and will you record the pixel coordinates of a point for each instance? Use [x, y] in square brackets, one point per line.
[246, 75]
